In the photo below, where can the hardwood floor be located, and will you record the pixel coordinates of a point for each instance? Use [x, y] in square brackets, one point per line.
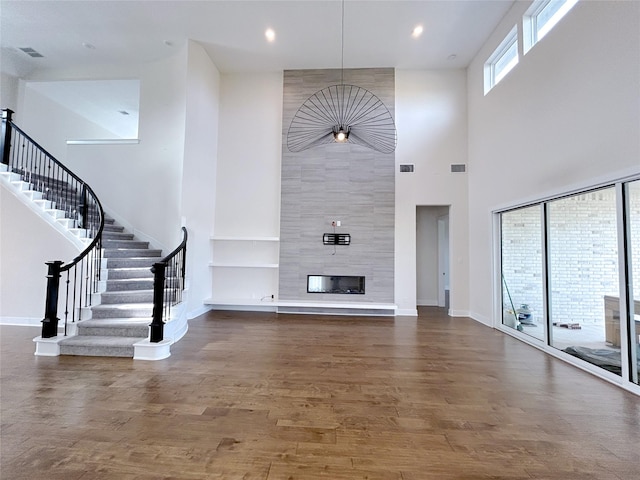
[261, 396]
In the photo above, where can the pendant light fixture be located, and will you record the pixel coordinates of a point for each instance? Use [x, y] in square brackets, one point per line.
[342, 114]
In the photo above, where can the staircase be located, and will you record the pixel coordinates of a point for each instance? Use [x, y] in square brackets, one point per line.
[127, 310]
[124, 313]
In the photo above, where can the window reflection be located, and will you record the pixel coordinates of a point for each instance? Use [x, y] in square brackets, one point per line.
[583, 277]
[522, 291]
[633, 215]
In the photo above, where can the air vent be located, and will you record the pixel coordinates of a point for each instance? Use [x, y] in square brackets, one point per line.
[458, 168]
[406, 168]
[31, 52]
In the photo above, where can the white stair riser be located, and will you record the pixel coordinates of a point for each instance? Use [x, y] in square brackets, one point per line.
[80, 232]
[20, 185]
[10, 177]
[33, 194]
[43, 204]
[68, 223]
[55, 213]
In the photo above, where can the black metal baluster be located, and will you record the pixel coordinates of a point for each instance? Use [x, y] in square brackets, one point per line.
[30, 166]
[88, 288]
[22, 157]
[77, 291]
[10, 153]
[66, 306]
[73, 303]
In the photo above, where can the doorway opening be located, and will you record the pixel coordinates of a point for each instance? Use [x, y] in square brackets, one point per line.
[432, 256]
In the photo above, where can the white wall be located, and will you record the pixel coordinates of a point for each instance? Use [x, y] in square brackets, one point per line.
[566, 117]
[199, 170]
[9, 92]
[139, 184]
[51, 124]
[247, 184]
[431, 119]
[432, 132]
[26, 243]
[249, 152]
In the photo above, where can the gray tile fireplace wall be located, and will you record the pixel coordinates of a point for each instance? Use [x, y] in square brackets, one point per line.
[336, 182]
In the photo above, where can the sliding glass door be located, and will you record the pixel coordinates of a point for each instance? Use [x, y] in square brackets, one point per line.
[522, 293]
[584, 294]
[633, 259]
[570, 275]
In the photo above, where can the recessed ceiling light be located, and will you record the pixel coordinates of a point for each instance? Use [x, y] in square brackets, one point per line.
[451, 57]
[270, 34]
[88, 45]
[417, 31]
[168, 43]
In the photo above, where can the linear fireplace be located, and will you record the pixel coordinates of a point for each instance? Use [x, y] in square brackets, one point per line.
[340, 284]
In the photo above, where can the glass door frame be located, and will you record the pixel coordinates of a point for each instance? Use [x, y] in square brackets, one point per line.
[629, 378]
[627, 308]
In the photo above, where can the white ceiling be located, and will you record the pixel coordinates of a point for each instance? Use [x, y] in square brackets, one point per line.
[308, 32]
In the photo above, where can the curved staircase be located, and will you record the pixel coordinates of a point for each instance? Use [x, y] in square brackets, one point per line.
[127, 310]
[125, 307]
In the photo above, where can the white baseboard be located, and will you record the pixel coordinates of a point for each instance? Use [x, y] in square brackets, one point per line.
[145, 350]
[177, 327]
[407, 312]
[429, 302]
[458, 313]
[201, 310]
[21, 321]
[481, 319]
[48, 347]
[270, 307]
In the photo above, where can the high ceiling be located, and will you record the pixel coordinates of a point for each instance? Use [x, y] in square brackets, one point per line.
[69, 34]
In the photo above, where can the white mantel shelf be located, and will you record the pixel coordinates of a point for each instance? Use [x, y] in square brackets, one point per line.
[244, 239]
[243, 265]
[363, 305]
[289, 306]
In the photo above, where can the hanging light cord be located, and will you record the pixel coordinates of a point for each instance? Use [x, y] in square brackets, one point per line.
[342, 47]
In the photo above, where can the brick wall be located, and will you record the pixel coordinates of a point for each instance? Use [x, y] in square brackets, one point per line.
[522, 258]
[583, 253]
[583, 250]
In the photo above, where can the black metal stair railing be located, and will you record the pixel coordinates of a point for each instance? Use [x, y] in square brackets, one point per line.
[168, 285]
[67, 193]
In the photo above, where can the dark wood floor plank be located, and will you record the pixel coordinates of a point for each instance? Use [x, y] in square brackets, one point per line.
[267, 397]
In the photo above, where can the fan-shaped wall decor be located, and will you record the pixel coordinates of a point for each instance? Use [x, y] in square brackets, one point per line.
[342, 113]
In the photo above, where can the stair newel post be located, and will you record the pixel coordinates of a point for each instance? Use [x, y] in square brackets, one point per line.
[50, 322]
[157, 325]
[83, 208]
[184, 260]
[5, 135]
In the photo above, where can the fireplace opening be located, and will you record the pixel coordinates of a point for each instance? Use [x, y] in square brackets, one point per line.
[341, 284]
